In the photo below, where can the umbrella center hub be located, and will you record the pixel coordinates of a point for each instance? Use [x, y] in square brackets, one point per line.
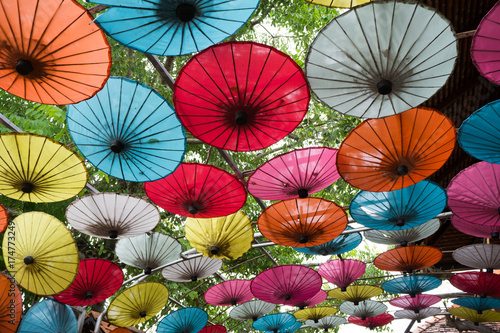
[241, 118]
[303, 239]
[185, 12]
[495, 234]
[214, 250]
[147, 270]
[384, 87]
[404, 243]
[323, 252]
[29, 260]
[88, 295]
[117, 146]
[194, 278]
[27, 187]
[24, 67]
[193, 209]
[142, 314]
[288, 297]
[402, 170]
[303, 193]
[113, 234]
[400, 222]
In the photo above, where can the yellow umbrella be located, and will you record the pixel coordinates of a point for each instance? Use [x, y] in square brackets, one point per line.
[316, 313]
[227, 237]
[137, 304]
[40, 253]
[472, 315]
[38, 169]
[355, 294]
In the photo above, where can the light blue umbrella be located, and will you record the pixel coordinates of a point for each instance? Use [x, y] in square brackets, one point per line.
[292, 328]
[478, 303]
[399, 209]
[412, 284]
[173, 27]
[186, 320]
[338, 245]
[129, 131]
[49, 316]
[274, 323]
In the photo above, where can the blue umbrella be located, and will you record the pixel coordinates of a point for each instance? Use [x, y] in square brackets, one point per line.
[412, 284]
[292, 328]
[399, 209]
[49, 316]
[173, 27]
[274, 323]
[129, 131]
[338, 245]
[479, 134]
[186, 320]
[477, 303]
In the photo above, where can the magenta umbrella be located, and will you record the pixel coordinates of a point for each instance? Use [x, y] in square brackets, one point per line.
[474, 194]
[287, 284]
[417, 303]
[342, 272]
[295, 174]
[316, 299]
[476, 230]
[230, 292]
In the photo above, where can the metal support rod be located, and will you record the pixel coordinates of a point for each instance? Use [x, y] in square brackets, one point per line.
[409, 326]
[9, 124]
[169, 80]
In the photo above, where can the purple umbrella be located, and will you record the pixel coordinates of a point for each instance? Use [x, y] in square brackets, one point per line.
[230, 292]
[342, 272]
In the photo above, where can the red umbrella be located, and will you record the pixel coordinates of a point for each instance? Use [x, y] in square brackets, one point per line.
[198, 190]
[372, 322]
[97, 280]
[295, 174]
[286, 284]
[417, 303]
[241, 96]
[342, 272]
[478, 283]
[230, 292]
[214, 329]
[316, 299]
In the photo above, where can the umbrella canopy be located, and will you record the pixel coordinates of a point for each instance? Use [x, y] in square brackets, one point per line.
[478, 304]
[372, 322]
[342, 272]
[364, 309]
[483, 256]
[241, 96]
[137, 304]
[404, 236]
[11, 305]
[474, 229]
[356, 293]
[287, 284]
[227, 237]
[340, 244]
[295, 174]
[198, 190]
[316, 299]
[38, 169]
[192, 269]
[214, 329]
[397, 151]
[229, 292]
[112, 215]
[411, 284]
[148, 251]
[49, 316]
[302, 222]
[400, 209]
[474, 316]
[129, 131]
[327, 322]
[41, 253]
[185, 320]
[478, 283]
[485, 46]
[339, 3]
[362, 65]
[274, 322]
[417, 316]
[292, 328]
[479, 134]
[176, 27]
[316, 313]
[474, 194]
[415, 304]
[51, 52]
[408, 258]
[97, 280]
[4, 218]
[251, 310]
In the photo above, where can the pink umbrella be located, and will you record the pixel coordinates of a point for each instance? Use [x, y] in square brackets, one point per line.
[342, 272]
[417, 303]
[287, 284]
[316, 299]
[295, 174]
[485, 48]
[474, 194]
[230, 292]
[476, 230]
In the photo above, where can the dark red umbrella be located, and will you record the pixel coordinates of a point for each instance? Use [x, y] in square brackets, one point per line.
[342, 272]
[97, 280]
[214, 329]
[417, 303]
[230, 292]
[241, 96]
[478, 283]
[287, 284]
[198, 190]
[372, 322]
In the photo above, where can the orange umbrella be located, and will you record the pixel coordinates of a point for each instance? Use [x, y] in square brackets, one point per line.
[408, 258]
[11, 305]
[302, 222]
[398, 151]
[51, 52]
[4, 218]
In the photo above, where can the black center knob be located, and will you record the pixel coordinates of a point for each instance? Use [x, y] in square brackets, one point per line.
[185, 12]
[254, 318]
[88, 295]
[316, 320]
[323, 252]
[142, 314]
[287, 297]
[343, 289]
[400, 222]
[363, 318]
[241, 118]
[384, 87]
[412, 295]
[113, 234]
[303, 239]
[417, 311]
[480, 312]
[495, 234]
[483, 295]
[402, 170]
[303, 193]
[147, 270]
[27, 187]
[489, 270]
[117, 146]
[29, 260]
[356, 303]
[193, 209]
[233, 302]
[24, 67]
[404, 243]
[409, 271]
[194, 278]
[214, 250]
